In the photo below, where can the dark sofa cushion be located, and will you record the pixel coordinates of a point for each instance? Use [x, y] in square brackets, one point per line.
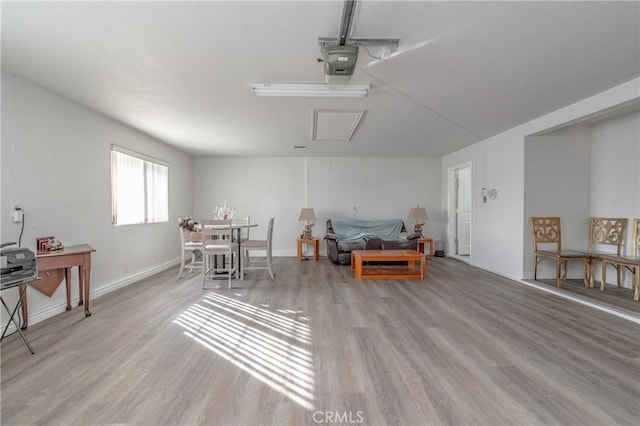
[390, 245]
[396, 245]
[348, 245]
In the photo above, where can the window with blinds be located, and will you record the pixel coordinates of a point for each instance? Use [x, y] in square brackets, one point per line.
[139, 188]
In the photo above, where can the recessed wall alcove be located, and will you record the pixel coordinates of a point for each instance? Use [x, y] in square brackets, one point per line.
[587, 168]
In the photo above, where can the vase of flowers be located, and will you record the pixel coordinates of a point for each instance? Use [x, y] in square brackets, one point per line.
[187, 223]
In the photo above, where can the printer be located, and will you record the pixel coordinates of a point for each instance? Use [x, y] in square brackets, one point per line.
[18, 266]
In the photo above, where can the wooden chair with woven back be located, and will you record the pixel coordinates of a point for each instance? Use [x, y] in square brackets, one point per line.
[547, 232]
[630, 262]
[605, 234]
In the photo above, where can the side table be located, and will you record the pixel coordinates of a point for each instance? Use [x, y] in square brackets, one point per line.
[315, 242]
[422, 242]
[53, 266]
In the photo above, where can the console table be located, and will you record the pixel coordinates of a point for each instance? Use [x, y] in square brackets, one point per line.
[53, 266]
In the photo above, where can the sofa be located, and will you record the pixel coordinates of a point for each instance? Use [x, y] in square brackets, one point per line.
[345, 235]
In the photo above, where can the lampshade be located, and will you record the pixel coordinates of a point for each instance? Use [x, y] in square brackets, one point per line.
[307, 214]
[418, 213]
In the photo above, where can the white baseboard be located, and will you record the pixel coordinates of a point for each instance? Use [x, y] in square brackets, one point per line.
[547, 289]
[564, 295]
[134, 278]
[50, 311]
[500, 272]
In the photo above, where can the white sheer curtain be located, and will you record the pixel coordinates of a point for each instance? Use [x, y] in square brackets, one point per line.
[157, 192]
[139, 190]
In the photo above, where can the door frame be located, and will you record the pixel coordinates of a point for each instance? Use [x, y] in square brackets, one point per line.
[451, 212]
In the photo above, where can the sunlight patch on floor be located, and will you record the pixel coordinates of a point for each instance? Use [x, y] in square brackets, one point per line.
[272, 347]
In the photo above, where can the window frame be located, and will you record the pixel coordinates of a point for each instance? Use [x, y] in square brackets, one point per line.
[147, 163]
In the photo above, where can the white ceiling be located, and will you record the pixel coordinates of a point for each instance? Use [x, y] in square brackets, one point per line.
[180, 71]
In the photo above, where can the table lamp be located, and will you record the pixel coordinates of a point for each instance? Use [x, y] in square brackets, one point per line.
[307, 215]
[419, 214]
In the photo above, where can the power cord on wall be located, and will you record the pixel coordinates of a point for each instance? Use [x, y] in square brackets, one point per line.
[21, 231]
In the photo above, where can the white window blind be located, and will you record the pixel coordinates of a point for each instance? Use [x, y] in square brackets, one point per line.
[139, 188]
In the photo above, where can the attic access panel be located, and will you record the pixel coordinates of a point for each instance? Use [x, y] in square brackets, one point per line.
[334, 125]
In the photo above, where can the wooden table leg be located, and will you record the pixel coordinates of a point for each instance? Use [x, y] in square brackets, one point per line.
[358, 268]
[353, 263]
[23, 307]
[80, 289]
[86, 284]
[67, 283]
[636, 284]
[422, 249]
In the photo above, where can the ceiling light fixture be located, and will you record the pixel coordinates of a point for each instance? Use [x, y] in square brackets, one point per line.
[320, 90]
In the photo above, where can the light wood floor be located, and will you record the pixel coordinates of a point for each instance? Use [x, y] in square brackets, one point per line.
[463, 346]
[616, 298]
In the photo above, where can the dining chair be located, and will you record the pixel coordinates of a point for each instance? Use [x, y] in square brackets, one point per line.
[547, 232]
[258, 245]
[190, 244]
[218, 249]
[630, 262]
[605, 234]
[244, 232]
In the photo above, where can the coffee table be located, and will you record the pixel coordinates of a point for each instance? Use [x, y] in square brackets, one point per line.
[414, 270]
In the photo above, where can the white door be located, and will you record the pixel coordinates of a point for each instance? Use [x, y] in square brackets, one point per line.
[463, 211]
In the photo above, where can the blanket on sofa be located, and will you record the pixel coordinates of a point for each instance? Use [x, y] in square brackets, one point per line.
[352, 229]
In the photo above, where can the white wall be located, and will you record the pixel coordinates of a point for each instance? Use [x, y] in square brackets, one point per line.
[615, 167]
[495, 219]
[56, 166]
[379, 188]
[557, 170]
[498, 228]
[255, 187]
[495, 163]
[615, 174]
